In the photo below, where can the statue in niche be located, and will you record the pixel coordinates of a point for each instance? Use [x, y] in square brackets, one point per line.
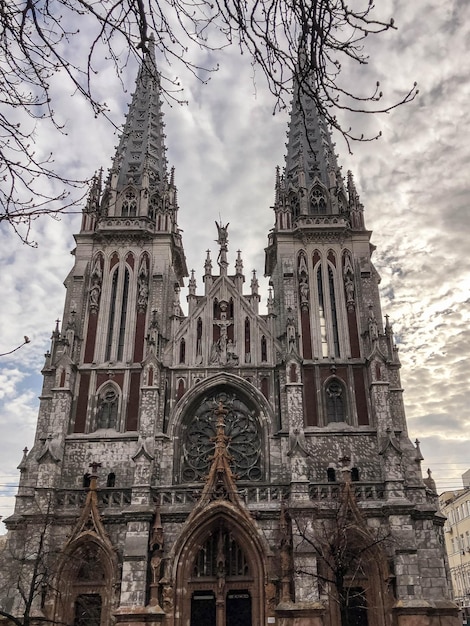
[291, 334]
[303, 290]
[142, 285]
[95, 289]
[215, 353]
[167, 598]
[152, 334]
[372, 323]
[232, 356]
[348, 276]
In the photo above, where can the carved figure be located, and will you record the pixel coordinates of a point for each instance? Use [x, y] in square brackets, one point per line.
[167, 598]
[143, 289]
[291, 335]
[232, 356]
[303, 289]
[95, 289]
[156, 565]
[222, 234]
[95, 293]
[373, 329]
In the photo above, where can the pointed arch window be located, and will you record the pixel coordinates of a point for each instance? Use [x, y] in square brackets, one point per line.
[295, 205]
[321, 312]
[129, 204]
[199, 340]
[247, 340]
[334, 315]
[221, 554]
[318, 201]
[154, 205]
[182, 350]
[116, 332]
[112, 314]
[122, 325]
[264, 349]
[335, 401]
[107, 408]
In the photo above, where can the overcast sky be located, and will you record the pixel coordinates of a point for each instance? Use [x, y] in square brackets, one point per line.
[414, 183]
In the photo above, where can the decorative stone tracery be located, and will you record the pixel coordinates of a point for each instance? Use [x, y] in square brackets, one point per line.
[244, 439]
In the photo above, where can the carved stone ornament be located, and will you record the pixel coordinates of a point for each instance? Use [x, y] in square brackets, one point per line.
[348, 276]
[143, 285]
[96, 280]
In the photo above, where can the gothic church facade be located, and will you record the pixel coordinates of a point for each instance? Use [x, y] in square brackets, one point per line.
[225, 467]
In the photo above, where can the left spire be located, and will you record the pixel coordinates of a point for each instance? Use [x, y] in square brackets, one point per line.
[140, 158]
[139, 184]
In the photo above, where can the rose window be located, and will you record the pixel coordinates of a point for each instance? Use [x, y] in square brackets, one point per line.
[244, 444]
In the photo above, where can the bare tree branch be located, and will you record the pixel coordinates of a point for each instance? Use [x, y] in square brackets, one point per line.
[38, 42]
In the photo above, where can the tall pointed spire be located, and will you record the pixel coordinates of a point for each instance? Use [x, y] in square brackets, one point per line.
[141, 155]
[311, 184]
[310, 150]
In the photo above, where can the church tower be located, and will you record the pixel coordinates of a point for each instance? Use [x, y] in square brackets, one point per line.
[224, 467]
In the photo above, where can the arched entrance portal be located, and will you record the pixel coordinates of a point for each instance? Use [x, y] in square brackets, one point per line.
[220, 578]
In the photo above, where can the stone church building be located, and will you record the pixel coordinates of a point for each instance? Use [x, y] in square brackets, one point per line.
[224, 467]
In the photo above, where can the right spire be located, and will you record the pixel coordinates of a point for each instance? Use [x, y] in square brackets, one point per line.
[312, 185]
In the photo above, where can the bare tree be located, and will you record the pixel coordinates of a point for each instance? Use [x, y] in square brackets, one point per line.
[38, 43]
[352, 566]
[27, 571]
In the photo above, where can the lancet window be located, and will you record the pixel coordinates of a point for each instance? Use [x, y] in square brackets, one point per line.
[318, 201]
[129, 204]
[221, 554]
[264, 349]
[199, 340]
[107, 408]
[321, 312]
[335, 400]
[326, 298]
[295, 205]
[154, 205]
[118, 313]
[334, 315]
[123, 316]
[182, 351]
[247, 340]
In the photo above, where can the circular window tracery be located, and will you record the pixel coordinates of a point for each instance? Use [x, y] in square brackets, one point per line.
[242, 428]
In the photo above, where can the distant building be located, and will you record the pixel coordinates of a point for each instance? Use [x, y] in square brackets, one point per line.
[224, 467]
[455, 505]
